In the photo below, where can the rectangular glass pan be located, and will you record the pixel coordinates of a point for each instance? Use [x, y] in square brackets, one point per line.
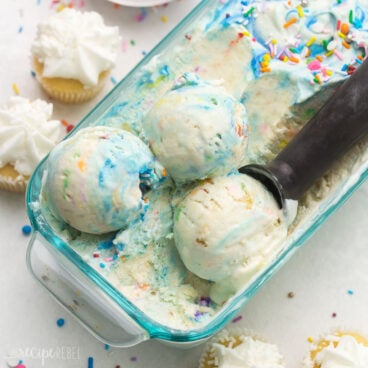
[193, 42]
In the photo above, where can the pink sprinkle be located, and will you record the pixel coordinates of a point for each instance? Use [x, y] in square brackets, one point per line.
[141, 16]
[338, 55]
[109, 259]
[124, 45]
[314, 65]
[81, 3]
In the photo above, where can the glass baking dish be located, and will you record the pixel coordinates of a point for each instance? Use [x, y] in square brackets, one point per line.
[96, 303]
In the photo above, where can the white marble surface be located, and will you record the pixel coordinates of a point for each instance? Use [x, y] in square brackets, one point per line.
[327, 275]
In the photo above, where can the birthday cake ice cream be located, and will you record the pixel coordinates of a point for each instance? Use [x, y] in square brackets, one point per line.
[95, 179]
[226, 229]
[197, 130]
[282, 60]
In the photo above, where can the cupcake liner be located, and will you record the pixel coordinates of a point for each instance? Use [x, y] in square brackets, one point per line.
[69, 91]
[11, 180]
[229, 337]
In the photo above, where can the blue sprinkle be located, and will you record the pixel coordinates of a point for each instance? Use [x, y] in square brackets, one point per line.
[60, 322]
[144, 53]
[107, 347]
[102, 265]
[33, 74]
[20, 29]
[350, 292]
[107, 244]
[113, 80]
[90, 362]
[26, 229]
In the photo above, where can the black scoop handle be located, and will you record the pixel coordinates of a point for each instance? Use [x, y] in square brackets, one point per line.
[340, 123]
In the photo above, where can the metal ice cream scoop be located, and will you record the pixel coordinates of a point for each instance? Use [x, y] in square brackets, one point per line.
[339, 124]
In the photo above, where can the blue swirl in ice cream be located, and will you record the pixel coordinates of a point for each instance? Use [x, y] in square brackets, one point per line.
[95, 179]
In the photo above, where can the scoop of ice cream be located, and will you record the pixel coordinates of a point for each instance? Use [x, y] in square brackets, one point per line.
[95, 179]
[226, 229]
[197, 130]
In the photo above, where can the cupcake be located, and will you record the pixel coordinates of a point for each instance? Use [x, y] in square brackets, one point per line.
[73, 54]
[26, 135]
[339, 349]
[238, 348]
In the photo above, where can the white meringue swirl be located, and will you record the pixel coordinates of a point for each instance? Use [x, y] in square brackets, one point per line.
[26, 133]
[76, 45]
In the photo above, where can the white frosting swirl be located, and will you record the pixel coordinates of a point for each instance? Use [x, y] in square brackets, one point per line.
[76, 45]
[26, 133]
[250, 353]
[347, 354]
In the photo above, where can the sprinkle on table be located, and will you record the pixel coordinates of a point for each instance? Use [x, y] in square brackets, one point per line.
[291, 294]
[15, 89]
[350, 292]
[237, 319]
[60, 322]
[26, 229]
[90, 362]
[334, 315]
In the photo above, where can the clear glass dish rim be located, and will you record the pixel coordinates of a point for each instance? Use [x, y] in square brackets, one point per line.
[154, 329]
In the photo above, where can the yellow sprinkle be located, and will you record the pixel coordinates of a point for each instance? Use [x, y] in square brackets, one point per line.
[274, 41]
[267, 57]
[340, 34]
[283, 144]
[311, 41]
[15, 89]
[264, 64]
[60, 7]
[329, 53]
[300, 11]
[329, 73]
[285, 59]
[164, 18]
[245, 33]
[310, 339]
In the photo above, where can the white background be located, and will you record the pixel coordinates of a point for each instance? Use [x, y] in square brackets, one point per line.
[328, 275]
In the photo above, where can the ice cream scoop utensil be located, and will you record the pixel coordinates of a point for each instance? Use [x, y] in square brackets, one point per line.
[338, 125]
